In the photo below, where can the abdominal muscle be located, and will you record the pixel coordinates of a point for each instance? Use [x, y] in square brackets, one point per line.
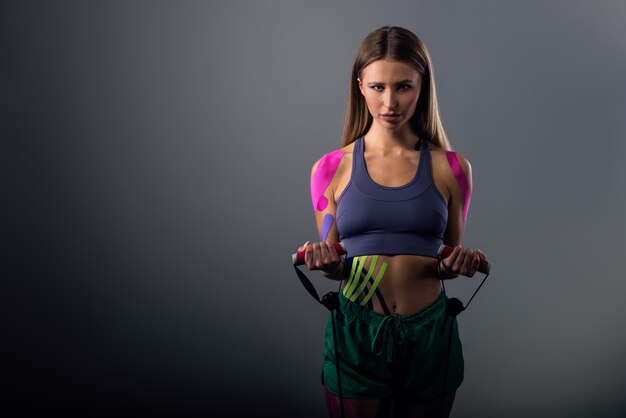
[409, 284]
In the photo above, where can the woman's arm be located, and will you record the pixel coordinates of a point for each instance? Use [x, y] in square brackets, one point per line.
[462, 261]
[321, 256]
[459, 181]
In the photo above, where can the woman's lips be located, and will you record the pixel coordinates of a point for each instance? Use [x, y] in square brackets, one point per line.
[390, 116]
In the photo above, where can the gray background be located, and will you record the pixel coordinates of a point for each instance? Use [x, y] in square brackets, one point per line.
[155, 160]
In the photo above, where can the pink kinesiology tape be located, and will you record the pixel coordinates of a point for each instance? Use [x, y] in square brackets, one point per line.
[322, 177]
[461, 179]
[334, 408]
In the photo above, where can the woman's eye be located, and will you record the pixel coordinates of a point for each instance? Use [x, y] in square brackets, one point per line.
[404, 87]
[377, 88]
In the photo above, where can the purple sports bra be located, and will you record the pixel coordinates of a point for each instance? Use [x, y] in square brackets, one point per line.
[376, 219]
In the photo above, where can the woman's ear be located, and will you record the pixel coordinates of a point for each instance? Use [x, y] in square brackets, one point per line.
[360, 85]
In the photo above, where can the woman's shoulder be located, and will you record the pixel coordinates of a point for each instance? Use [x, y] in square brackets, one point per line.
[331, 161]
[328, 171]
[447, 159]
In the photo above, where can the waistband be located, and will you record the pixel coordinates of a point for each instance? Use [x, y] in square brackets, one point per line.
[355, 310]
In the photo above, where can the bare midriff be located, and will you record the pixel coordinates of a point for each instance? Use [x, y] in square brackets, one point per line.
[410, 283]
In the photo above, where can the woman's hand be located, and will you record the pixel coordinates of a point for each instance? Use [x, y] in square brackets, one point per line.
[463, 261]
[321, 256]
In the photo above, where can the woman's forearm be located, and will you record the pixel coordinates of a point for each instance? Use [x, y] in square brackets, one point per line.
[444, 272]
[337, 273]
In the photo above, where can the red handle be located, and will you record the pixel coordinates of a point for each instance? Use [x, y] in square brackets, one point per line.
[446, 250]
[298, 258]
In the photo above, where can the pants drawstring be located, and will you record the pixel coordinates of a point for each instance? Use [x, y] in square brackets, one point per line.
[392, 330]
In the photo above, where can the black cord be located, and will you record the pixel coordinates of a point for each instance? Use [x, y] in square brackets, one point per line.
[445, 376]
[453, 307]
[331, 301]
[477, 289]
[337, 364]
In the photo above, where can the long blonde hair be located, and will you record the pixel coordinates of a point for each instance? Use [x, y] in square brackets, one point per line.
[398, 44]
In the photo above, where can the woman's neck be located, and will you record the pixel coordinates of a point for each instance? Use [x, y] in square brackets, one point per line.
[382, 139]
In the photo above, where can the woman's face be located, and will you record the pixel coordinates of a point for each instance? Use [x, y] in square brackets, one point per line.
[391, 90]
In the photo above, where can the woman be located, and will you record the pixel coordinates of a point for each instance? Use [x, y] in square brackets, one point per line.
[392, 194]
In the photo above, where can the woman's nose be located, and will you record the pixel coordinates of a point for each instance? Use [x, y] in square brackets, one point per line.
[390, 100]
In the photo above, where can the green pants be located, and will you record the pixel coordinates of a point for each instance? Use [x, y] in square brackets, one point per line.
[401, 355]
